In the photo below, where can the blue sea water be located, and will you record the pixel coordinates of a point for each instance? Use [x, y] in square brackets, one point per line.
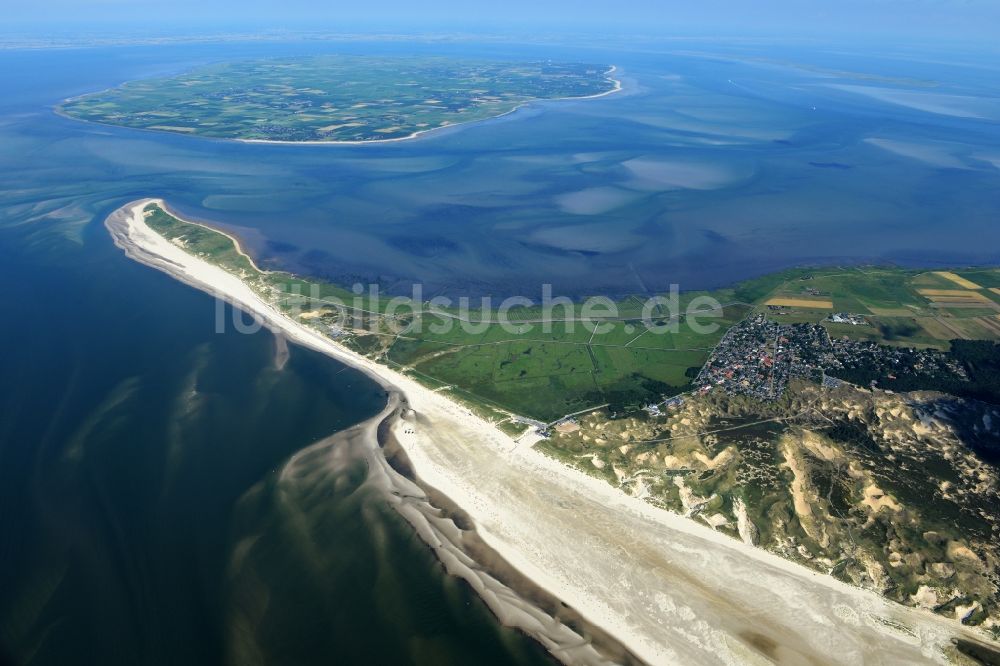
[143, 516]
[137, 446]
[716, 162]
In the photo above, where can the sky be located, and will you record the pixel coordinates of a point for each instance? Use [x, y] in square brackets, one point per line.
[913, 20]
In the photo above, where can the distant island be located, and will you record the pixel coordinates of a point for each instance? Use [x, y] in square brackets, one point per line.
[336, 99]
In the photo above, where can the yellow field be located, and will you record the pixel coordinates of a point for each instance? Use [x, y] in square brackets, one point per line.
[976, 328]
[991, 324]
[958, 295]
[958, 333]
[965, 307]
[958, 279]
[817, 304]
[995, 290]
[937, 329]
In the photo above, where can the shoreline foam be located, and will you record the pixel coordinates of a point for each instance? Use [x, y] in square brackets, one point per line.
[668, 589]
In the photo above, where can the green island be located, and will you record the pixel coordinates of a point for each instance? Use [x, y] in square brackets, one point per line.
[335, 98]
[844, 418]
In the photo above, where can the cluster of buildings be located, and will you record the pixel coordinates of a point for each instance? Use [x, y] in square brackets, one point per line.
[751, 359]
[757, 357]
[893, 362]
[656, 409]
[848, 318]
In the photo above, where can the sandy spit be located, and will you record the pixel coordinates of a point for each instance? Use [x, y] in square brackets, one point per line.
[514, 599]
[671, 591]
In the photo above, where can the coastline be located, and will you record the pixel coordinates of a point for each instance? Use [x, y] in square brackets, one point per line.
[516, 601]
[58, 110]
[668, 589]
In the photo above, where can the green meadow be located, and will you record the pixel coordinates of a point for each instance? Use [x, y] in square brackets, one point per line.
[545, 363]
[334, 98]
[531, 365]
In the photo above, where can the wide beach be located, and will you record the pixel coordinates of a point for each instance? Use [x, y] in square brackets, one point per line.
[669, 590]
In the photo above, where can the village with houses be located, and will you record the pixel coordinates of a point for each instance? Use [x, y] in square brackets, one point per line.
[758, 357]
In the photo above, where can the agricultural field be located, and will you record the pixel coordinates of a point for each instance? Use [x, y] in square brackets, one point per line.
[896, 306]
[335, 98]
[567, 370]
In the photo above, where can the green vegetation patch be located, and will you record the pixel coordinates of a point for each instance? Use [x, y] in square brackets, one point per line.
[335, 97]
[545, 367]
[202, 241]
[538, 367]
[903, 307]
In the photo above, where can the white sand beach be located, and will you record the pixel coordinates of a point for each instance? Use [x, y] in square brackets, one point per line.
[670, 590]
